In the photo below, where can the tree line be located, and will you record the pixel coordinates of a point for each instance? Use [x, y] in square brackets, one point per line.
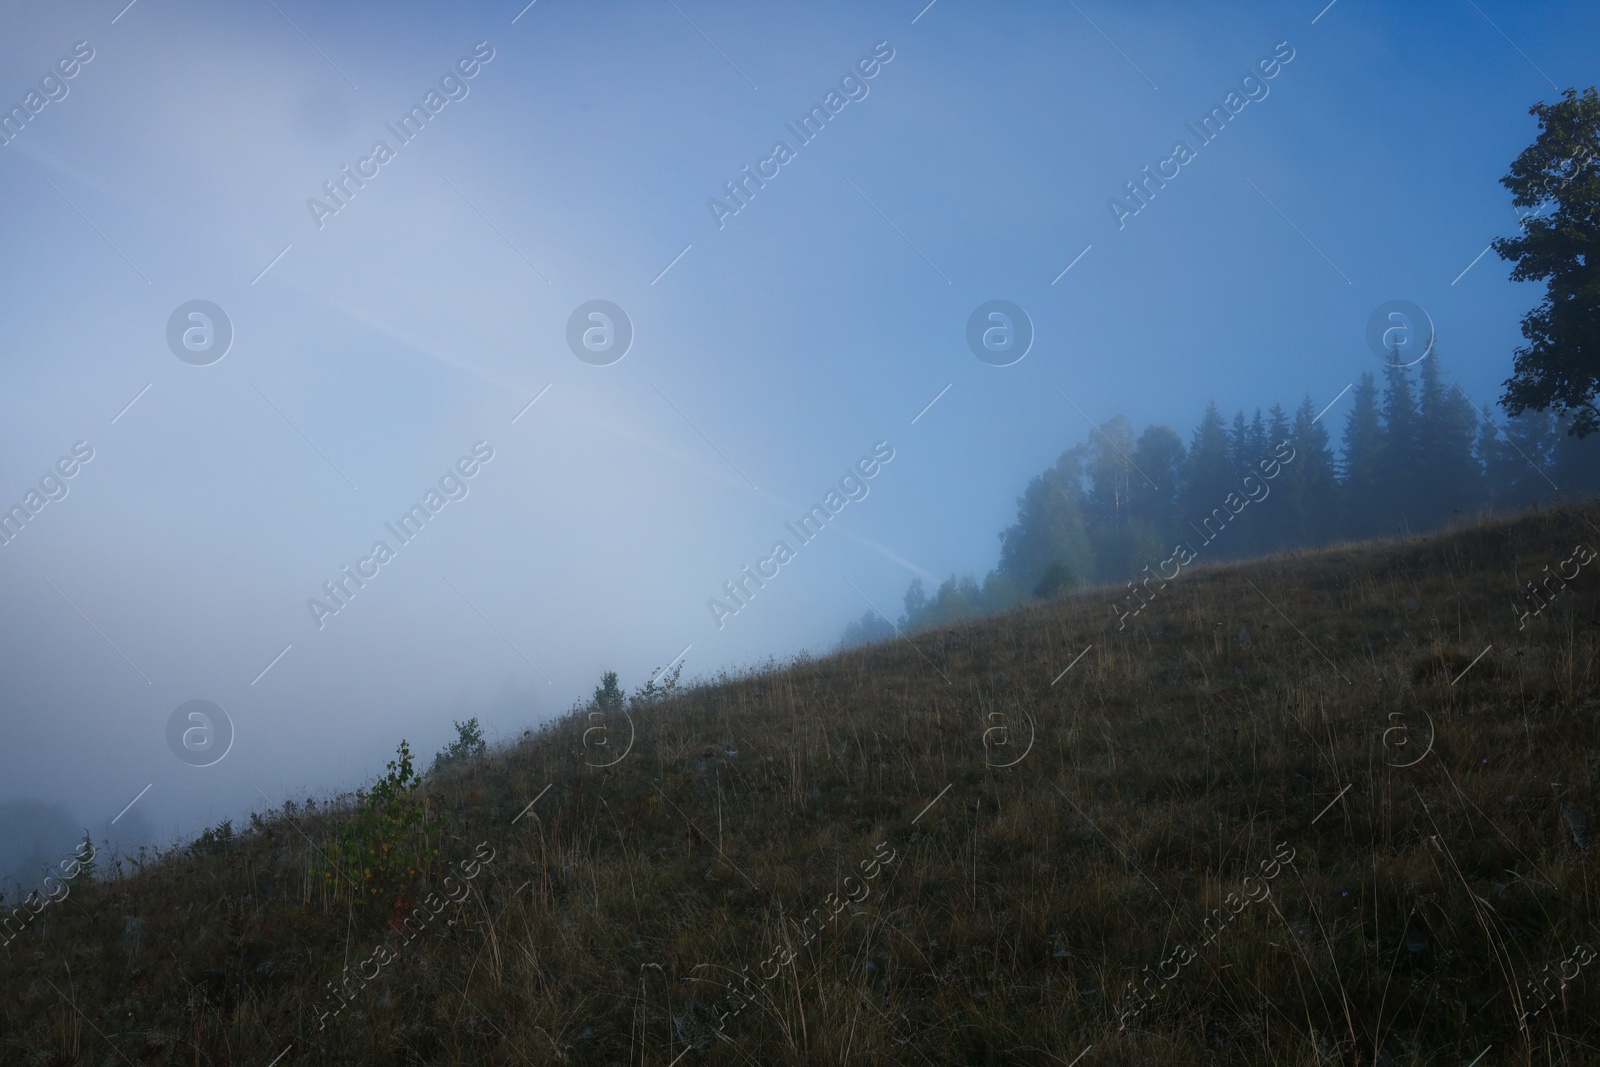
[1414, 455]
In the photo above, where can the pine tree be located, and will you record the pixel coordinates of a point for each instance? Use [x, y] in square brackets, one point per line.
[865, 630]
[1278, 428]
[1362, 462]
[1252, 532]
[1519, 455]
[1451, 481]
[1259, 446]
[1239, 446]
[1398, 474]
[1271, 527]
[1499, 464]
[1575, 466]
[1529, 448]
[608, 695]
[1309, 486]
[1208, 477]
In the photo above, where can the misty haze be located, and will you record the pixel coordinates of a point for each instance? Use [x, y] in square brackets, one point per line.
[676, 532]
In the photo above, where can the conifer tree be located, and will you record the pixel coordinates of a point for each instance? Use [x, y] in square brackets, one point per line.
[1278, 429]
[1258, 445]
[1575, 465]
[1530, 439]
[1239, 445]
[1309, 486]
[1361, 462]
[1498, 461]
[1451, 481]
[1398, 475]
[1272, 527]
[1209, 474]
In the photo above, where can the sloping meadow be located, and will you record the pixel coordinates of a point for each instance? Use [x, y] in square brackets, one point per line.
[1331, 807]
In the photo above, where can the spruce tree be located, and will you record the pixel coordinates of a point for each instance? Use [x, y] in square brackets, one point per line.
[1258, 443]
[1450, 479]
[1309, 486]
[1575, 465]
[1208, 478]
[1518, 454]
[1271, 527]
[1398, 474]
[1499, 462]
[1278, 429]
[1239, 445]
[1530, 441]
[1362, 462]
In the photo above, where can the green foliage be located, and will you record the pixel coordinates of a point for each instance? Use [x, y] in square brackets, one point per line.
[231, 958]
[1415, 456]
[384, 846]
[87, 866]
[663, 686]
[957, 599]
[1363, 462]
[469, 744]
[1209, 474]
[1058, 578]
[608, 695]
[1557, 179]
[1451, 480]
[214, 839]
[1050, 524]
[867, 629]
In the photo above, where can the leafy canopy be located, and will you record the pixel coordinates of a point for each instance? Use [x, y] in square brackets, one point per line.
[1557, 180]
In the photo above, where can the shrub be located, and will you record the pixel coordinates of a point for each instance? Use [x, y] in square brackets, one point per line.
[1058, 578]
[383, 847]
[469, 744]
[84, 866]
[662, 687]
[213, 840]
[608, 694]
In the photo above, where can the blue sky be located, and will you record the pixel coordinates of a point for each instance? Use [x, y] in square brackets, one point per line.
[371, 353]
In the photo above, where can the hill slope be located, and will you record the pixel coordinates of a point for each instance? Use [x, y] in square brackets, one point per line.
[1325, 808]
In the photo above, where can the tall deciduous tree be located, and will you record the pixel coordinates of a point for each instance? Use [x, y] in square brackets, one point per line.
[1110, 473]
[1557, 180]
[1159, 456]
[1049, 526]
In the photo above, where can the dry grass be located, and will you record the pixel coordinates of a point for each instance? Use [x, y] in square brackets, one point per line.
[1165, 768]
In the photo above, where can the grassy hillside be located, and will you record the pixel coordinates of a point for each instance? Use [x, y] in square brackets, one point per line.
[1289, 815]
